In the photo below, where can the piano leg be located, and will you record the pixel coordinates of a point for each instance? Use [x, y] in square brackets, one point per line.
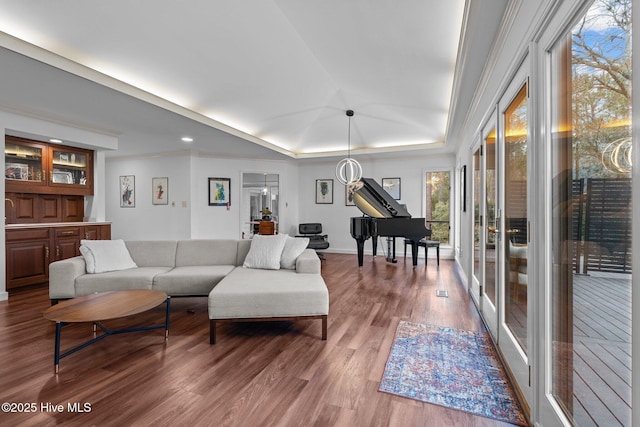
[414, 252]
[360, 244]
[374, 245]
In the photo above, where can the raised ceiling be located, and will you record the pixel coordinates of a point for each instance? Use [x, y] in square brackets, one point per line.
[279, 74]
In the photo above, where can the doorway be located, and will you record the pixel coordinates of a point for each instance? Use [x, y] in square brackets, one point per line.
[260, 199]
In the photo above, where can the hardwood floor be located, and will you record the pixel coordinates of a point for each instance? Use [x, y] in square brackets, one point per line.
[275, 374]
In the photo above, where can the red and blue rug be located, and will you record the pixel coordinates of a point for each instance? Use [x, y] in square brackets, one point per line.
[450, 367]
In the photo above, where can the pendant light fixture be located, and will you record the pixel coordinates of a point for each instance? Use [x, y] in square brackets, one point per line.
[348, 170]
[265, 189]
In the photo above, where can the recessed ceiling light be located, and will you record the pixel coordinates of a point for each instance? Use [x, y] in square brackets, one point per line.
[186, 139]
[55, 140]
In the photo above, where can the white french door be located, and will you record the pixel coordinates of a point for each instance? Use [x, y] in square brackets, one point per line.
[501, 228]
[488, 227]
[478, 215]
[512, 225]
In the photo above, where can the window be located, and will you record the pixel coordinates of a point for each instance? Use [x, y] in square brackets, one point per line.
[437, 205]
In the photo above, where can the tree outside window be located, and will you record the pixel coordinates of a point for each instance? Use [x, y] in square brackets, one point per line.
[438, 196]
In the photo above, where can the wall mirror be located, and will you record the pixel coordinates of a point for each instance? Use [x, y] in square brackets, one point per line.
[260, 199]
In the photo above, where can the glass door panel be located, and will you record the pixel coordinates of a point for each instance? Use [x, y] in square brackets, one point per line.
[515, 217]
[23, 162]
[490, 229]
[476, 267]
[513, 222]
[69, 167]
[490, 215]
[591, 217]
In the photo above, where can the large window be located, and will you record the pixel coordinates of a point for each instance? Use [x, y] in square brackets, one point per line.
[437, 208]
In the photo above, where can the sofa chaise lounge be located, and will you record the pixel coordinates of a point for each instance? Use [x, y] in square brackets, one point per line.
[206, 267]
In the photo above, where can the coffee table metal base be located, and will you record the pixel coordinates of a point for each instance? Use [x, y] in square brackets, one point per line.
[106, 332]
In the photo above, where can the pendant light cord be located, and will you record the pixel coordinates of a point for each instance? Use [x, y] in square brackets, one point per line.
[349, 140]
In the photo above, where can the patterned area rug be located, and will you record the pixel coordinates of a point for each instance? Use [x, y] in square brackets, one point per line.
[450, 367]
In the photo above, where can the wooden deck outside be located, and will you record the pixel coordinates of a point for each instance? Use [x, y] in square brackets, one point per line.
[602, 350]
[601, 347]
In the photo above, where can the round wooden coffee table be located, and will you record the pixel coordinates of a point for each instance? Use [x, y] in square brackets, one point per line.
[104, 306]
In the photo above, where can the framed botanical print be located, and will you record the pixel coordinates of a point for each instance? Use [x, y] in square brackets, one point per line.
[219, 191]
[324, 191]
[128, 191]
[392, 186]
[160, 191]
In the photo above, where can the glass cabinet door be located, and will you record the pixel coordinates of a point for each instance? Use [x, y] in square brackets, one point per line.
[69, 167]
[23, 163]
[37, 167]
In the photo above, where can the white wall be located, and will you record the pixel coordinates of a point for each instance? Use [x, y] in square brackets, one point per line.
[217, 221]
[188, 214]
[188, 182]
[335, 218]
[146, 221]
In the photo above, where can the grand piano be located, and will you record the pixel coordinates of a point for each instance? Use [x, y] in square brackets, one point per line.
[383, 216]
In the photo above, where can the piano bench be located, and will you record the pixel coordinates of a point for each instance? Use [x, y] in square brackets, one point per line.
[426, 244]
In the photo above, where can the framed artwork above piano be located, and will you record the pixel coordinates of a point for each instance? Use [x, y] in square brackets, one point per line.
[392, 186]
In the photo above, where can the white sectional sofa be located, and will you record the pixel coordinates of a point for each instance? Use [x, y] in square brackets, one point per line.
[213, 268]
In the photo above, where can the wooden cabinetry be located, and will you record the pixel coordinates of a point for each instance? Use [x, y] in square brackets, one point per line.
[46, 184]
[66, 242]
[28, 208]
[28, 253]
[38, 167]
[30, 249]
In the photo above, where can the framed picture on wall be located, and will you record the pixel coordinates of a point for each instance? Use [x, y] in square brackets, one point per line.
[324, 191]
[127, 191]
[392, 186]
[348, 194]
[219, 191]
[463, 188]
[160, 191]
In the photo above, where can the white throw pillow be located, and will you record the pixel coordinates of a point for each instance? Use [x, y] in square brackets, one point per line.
[265, 252]
[101, 256]
[293, 247]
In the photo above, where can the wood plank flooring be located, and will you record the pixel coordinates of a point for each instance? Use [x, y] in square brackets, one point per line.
[258, 374]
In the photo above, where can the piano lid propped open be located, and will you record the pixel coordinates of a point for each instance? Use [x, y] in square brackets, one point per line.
[373, 200]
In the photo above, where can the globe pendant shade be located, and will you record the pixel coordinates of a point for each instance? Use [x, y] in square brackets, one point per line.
[348, 171]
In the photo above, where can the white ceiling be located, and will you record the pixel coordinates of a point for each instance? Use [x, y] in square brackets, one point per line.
[279, 74]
